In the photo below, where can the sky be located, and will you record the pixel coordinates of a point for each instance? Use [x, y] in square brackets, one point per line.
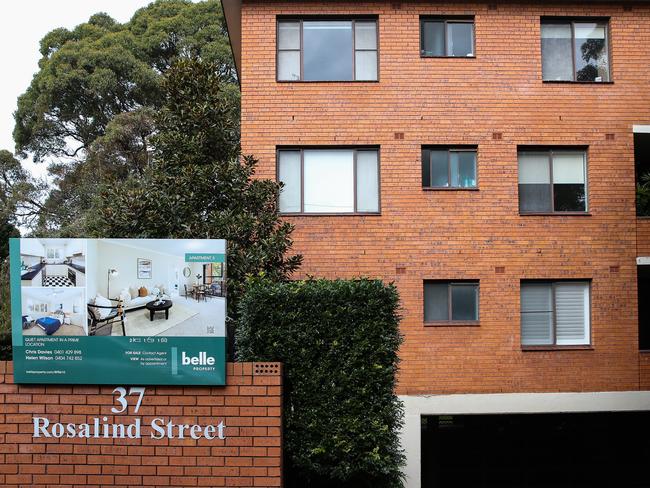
[24, 23]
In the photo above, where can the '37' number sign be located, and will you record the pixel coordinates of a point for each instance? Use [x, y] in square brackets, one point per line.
[121, 393]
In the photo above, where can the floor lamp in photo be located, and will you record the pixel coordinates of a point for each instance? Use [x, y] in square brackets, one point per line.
[111, 272]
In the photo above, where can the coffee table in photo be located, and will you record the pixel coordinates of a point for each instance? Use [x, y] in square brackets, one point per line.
[163, 306]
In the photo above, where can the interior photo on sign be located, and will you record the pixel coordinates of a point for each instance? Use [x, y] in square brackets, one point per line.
[156, 287]
[53, 311]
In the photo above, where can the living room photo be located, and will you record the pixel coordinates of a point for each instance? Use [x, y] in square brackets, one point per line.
[156, 287]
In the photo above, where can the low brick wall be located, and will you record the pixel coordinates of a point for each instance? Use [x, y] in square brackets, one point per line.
[250, 454]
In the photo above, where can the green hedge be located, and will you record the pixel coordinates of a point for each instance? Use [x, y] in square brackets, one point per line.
[338, 341]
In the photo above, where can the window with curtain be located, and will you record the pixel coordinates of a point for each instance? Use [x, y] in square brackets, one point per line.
[555, 313]
[444, 167]
[450, 301]
[329, 181]
[552, 181]
[575, 50]
[446, 37]
[327, 50]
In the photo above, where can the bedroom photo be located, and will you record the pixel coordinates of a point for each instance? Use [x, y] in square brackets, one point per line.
[53, 312]
[156, 287]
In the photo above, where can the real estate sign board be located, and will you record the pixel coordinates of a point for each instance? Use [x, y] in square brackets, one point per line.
[119, 311]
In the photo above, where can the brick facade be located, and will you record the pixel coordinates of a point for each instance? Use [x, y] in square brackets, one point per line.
[250, 407]
[496, 101]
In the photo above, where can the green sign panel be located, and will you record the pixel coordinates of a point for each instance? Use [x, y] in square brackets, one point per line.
[205, 258]
[118, 311]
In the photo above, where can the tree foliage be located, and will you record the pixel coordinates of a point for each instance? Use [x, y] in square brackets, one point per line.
[338, 341]
[5, 312]
[88, 110]
[20, 194]
[196, 185]
[643, 196]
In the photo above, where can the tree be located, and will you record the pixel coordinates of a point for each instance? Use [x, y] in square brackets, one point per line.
[7, 230]
[21, 195]
[88, 108]
[196, 185]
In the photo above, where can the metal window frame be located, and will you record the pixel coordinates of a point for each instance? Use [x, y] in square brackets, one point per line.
[355, 150]
[551, 152]
[572, 21]
[553, 285]
[450, 284]
[449, 150]
[301, 20]
[446, 20]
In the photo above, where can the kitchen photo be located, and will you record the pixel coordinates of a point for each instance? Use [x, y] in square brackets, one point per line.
[53, 262]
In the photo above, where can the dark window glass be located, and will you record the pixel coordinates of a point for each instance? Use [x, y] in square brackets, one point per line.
[535, 198]
[447, 37]
[463, 169]
[327, 50]
[433, 38]
[464, 302]
[569, 198]
[449, 301]
[552, 181]
[448, 168]
[436, 302]
[575, 51]
[439, 168]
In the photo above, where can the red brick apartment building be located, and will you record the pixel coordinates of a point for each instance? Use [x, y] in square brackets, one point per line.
[482, 156]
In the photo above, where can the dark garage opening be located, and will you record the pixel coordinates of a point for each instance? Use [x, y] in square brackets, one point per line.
[643, 276]
[537, 451]
[642, 173]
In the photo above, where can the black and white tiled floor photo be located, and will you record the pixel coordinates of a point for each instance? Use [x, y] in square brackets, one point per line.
[57, 281]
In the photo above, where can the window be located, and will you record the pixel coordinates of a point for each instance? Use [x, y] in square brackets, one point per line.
[446, 37]
[212, 272]
[327, 50]
[446, 301]
[53, 253]
[555, 313]
[329, 180]
[552, 181]
[448, 168]
[575, 51]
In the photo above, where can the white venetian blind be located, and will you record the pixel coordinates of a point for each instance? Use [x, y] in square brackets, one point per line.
[572, 313]
[536, 314]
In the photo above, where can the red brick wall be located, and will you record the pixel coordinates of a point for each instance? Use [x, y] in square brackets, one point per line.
[250, 407]
[466, 234]
[643, 237]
